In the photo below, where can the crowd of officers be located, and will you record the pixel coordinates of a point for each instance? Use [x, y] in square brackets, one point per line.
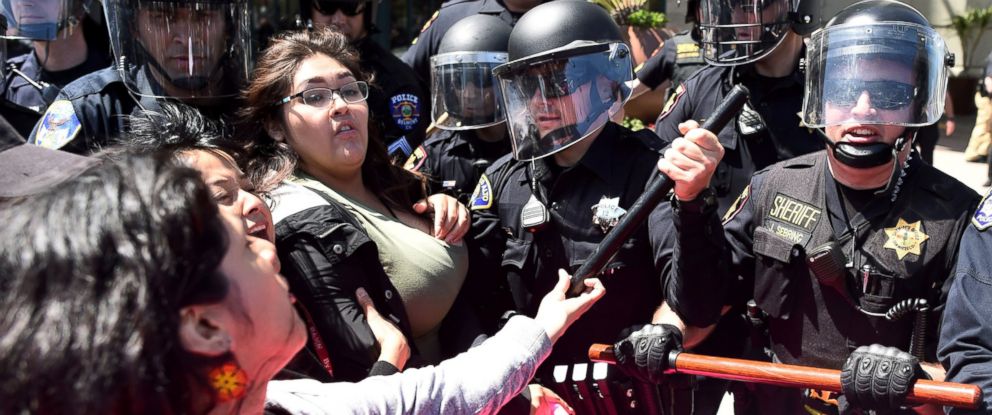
[811, 205]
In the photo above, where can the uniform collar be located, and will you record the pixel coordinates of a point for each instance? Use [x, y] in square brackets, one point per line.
[492, 7]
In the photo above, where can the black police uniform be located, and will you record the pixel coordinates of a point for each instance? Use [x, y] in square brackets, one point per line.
[618, 164]
[92, 111]
[453, 161]
[23, 93]
[768, 130]
[966, 330]
[677, 60]
[902, 244]
[418, 56]
[395, 99]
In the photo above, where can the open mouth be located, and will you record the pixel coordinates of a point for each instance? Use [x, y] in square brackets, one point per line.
[259, 230]
[861, 135]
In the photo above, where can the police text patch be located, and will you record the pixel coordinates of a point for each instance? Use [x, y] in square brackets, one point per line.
[482, 197]
[793, 219]
[983, 215]
[405, 109]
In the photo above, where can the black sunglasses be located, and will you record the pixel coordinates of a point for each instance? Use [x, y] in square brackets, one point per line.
[884, 95]
[550, 88]
[346, 7]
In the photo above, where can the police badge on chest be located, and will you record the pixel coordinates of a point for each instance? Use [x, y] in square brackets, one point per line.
[607, 213]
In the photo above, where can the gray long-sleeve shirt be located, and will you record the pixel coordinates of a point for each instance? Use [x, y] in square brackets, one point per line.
[479, 381]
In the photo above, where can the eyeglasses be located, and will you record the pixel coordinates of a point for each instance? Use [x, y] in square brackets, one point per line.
[884, 95]
[347, 7]
[350, 93]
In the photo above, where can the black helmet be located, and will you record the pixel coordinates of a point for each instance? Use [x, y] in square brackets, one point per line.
[464, 94]
[875, 30]
[742, 31]
[877, 62]
[566, 77]
[212, 58]
[348, 7]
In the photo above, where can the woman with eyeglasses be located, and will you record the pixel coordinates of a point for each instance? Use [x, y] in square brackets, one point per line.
[345, 216]
[129, 290]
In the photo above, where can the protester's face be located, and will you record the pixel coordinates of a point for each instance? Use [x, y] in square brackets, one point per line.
[859, 120]
[264, 328]
[185, 41]
[353, 27]
[36, 11]
[226, 187]
[333, 139]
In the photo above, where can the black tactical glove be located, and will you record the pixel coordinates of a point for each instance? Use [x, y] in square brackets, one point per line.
[879, 377]
[644, 353]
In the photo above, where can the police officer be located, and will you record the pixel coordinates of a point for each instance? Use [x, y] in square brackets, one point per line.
[66, 45]
[19, 118]
[841, 248]
[759, 45]
[195, 52]
[468, 107]
[426, 43]
[396, 98]
[572, 175]
[676, 61]
[966, 330]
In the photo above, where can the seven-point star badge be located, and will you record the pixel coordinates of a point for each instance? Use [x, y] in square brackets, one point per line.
[905, 238]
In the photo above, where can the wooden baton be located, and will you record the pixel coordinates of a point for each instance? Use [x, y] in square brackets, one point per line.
[924, 391]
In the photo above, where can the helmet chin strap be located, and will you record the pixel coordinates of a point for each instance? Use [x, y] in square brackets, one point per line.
[864, 156]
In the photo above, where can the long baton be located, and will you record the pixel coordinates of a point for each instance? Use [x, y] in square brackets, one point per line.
[644, 204]
[924, 391]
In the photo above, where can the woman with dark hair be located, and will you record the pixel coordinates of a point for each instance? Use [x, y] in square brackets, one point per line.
[126, 290]
[196, 141]
[345, 216]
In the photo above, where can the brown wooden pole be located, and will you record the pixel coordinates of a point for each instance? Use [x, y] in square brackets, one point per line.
[924, 391]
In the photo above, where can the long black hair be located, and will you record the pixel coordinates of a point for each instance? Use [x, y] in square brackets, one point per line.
[93, 275]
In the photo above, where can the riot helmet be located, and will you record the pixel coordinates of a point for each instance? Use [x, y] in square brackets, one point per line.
[350, 8]
[41, 19]
[877, 62]
[735, 32]
[567, 76]
[464, 92]
[185, 49]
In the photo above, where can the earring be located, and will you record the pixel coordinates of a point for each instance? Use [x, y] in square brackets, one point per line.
[229, 381]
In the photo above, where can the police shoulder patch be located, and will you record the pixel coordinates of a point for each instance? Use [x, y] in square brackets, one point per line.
[405, 109]
[416, 159]
[482, 197]
[672, 100]
[738, 205]
[982, 219]
[58, 127]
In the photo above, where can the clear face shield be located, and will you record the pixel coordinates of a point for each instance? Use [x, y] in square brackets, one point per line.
[735, 32]
[37, 19]
[558, 98]
[465, 94]
[881, 74]
[182, 49]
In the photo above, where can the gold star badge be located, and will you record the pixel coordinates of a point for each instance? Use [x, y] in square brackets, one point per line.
[905, 238]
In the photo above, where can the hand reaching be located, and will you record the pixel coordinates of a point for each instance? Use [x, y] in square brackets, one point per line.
[451, 217]
[393, 347]
[556, 312]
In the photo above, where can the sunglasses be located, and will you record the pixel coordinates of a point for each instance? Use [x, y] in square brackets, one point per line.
[550, 88]
[459, 78]
[348, 8]
[350, 93]
[884, 95]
